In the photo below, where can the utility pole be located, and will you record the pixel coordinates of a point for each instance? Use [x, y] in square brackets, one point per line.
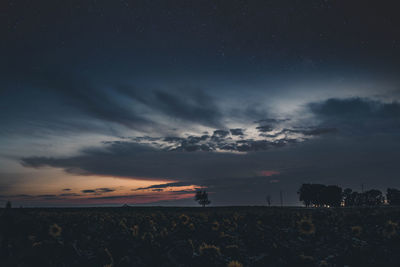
[281, 197]
[268, 198]
[362, 188]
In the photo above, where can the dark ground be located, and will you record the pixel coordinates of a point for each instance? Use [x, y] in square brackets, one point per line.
[217, 236]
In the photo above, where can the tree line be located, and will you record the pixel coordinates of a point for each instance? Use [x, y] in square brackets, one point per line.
[319, 195]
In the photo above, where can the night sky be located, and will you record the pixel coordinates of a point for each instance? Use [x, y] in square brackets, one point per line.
[143, 102]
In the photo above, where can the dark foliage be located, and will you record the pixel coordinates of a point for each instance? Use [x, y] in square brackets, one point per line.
[371, 197]
[320, 195]
[242, 236]
[202, 197]
[393, 196]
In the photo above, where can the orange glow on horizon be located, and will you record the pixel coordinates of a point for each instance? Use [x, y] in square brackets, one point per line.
[56, 186]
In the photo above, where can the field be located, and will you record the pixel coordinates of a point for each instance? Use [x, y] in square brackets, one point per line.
[225, 236]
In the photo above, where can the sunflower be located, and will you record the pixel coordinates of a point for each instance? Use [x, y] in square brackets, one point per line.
[306, 258]
[173, 225]
[323, 263]
[110, 257]
[55, 230]
[259, 225]
[215, 226]
[147, 236]
[191, 227]
[190, 241]
[184, 219]
[390, 229]
[226, 223]
[164, 232]
[122, 223]
[135, 230]
[233, 226]
[235, 264]
[206, 249]
[356, 230]
[306, 227]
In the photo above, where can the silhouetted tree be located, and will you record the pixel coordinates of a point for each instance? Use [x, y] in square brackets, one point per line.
[306, 194]
[393, 196]
[332, 195]
[348, 197]
[8, 205]
[373, 197]
[320, 195]
[202, 198]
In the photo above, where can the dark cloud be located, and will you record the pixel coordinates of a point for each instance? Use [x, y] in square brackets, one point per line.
[173, 139]
[127, 159]
[23, 196]
[268, 125]
[220, 134]
[87, 191]
[223, 142]
[183, 191]
[197, 107]
[121, 197]
[98, 191]
[320, 131]
[265, 128]
[126, 197]
[67, 189]
[42, 112]
[271, 121]
[47, 196]
[258, 145]
[358, 115]
[69, 195]
[42, 197]
[65, 102]
[237, 131]
[189, 105]
[347, 162]
[248, 111]
[77, 92]
[157, 186]
[307, 131]
[356, 108]
[105, 190]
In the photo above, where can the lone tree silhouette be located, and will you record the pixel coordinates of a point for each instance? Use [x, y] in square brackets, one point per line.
[202, 198]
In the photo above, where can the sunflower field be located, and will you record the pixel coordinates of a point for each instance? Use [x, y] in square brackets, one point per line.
[219, 236]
